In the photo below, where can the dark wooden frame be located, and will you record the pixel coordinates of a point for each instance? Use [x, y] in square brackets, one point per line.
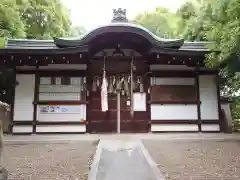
[198, 101]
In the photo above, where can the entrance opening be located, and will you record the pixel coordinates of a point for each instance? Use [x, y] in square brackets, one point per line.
[118, 78]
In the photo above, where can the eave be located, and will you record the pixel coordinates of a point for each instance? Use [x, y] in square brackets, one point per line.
[43, 50]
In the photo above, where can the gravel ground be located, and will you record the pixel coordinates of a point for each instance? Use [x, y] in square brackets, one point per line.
[177, 159]
[196, 160]
[66, 161]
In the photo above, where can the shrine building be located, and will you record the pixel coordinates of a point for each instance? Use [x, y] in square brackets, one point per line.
[153, 84]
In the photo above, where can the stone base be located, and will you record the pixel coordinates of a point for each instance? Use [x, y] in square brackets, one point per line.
[3, 174]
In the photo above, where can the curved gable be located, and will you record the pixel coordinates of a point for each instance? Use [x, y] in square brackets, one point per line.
[120, 28]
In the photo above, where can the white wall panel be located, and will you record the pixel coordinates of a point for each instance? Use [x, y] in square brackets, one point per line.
[59, 88]
[22, 129]
[61, 128]
[59, 96]
[171, 112]
[173, 127]
[210, 127]
[24, 96]
[208, 97]
[172, 81]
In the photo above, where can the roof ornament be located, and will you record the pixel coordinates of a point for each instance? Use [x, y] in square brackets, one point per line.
[119, 15]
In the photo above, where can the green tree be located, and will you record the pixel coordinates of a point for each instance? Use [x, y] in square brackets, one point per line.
[11, 24]
[219, 21]
[161, 22]
[34, 19]
[44, 19]
[76, 31]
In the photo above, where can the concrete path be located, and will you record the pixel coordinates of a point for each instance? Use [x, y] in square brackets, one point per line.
[123, 159]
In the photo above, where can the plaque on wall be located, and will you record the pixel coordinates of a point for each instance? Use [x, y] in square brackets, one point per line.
[139, 102]
[43, 109]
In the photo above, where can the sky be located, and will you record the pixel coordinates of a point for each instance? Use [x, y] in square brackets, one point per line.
[93, 13]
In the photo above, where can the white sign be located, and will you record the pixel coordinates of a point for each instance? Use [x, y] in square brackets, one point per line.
[59, 109]
[139, 101]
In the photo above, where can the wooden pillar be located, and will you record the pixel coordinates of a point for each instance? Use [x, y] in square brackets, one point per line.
[147, 84]
[199, 120]
[219, 101]
[36, 97]
[13, 85]
[88, 96]
[118, 112]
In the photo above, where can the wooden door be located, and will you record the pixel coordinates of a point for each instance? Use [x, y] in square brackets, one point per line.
[102, 122]
[139, 122]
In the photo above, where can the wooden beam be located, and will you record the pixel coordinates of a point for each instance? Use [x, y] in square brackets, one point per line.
[36, 97]
[219, 100]
[13, 92]
[198, 100]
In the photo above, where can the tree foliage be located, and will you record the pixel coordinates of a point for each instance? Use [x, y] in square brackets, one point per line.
[35, 19]
[11, 24]
[161, 22]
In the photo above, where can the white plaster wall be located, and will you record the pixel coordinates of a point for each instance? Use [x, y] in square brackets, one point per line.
[22, 129]
[210, 127]
[208, 97]
[59, 96]
[24, 96]
[173, 112]
[81, 128]
[58, 117]
[173, 127]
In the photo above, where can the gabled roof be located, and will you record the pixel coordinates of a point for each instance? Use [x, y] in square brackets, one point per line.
[116, 29]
